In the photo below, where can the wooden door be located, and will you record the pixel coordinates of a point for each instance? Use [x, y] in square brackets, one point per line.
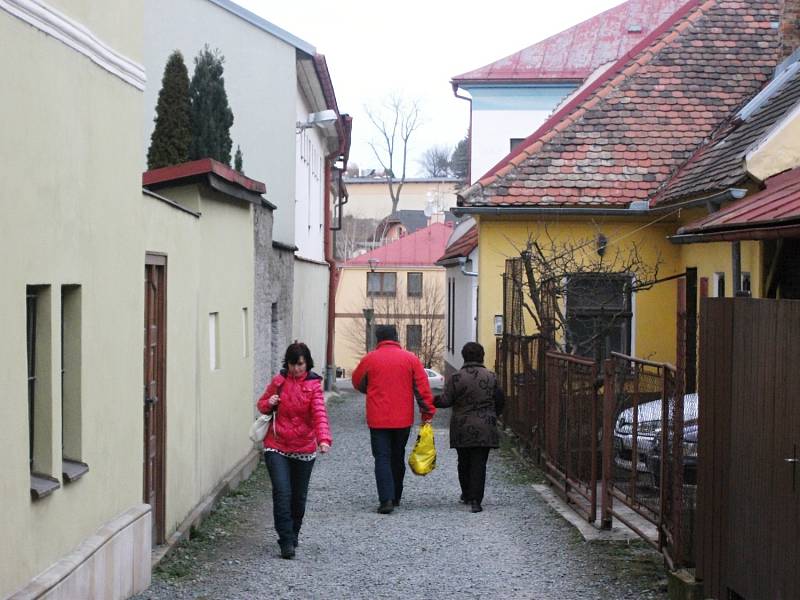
[154, 389]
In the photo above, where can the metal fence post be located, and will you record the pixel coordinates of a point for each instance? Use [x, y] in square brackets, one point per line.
[608, 426]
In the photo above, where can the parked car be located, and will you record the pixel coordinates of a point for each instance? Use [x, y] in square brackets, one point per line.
[690, 431]
[649, 436]
[436, 380]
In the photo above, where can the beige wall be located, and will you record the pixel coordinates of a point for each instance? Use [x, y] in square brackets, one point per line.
[351, 299]
[71, 163]
[371, 199]
[779, 151]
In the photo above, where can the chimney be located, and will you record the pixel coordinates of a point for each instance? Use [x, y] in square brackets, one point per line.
[790, 27]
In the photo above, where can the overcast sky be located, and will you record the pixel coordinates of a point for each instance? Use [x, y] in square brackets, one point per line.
[415, 47]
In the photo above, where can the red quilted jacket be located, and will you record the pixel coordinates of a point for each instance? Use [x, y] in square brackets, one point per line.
[301, 420]
[393, 378]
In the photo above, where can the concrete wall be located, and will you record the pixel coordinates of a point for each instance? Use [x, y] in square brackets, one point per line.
[310, 315]
[72, 155]
[260, 80]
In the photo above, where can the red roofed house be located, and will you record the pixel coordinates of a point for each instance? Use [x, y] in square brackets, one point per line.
[513, 96]
[404, 286]
[590, 171]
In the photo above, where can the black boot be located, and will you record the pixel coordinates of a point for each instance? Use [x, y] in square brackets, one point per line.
[287, 551]
[386, 507]
[476, 506]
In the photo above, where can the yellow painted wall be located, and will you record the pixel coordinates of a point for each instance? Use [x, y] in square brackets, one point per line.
[351, 299]
[370, 199]
[654, 310]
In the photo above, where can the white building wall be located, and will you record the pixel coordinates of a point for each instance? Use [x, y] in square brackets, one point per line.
[310, 316]
[260, 80]
[309, 189]
[501, 113]
[465, 303]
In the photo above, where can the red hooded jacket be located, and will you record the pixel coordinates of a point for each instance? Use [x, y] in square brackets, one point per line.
[301, 420]
[392, 378]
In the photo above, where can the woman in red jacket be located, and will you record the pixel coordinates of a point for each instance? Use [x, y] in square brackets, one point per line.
[298, 428]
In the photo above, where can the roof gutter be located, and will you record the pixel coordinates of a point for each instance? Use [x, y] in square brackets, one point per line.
[712, 203]
[469, 130]
[765, 232]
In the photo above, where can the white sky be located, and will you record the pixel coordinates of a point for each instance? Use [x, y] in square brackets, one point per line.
[414, 48]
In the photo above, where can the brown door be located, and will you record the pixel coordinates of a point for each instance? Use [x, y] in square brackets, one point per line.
[154, 388]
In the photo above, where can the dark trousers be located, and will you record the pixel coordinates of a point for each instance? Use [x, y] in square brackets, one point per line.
[472, 472]
[290, 479]
[389, 452]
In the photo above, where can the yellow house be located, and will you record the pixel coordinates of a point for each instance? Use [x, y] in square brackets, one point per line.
[401, 284]
[582, 184]
[369, 196]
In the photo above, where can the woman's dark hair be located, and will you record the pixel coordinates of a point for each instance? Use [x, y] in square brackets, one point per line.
[293, 354]
[472, 352]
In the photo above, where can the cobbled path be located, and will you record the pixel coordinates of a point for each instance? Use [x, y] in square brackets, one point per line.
[430, 547]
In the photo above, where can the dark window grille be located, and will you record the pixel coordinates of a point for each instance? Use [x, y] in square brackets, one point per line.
[599, 314]
[414, 284]
[31, 344]
[381, 284]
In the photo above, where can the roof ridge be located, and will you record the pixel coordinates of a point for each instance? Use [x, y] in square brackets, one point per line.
[669, 30]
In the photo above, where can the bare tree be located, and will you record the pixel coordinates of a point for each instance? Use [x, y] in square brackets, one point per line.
[575, 291]
[424, 312]
[435, 161]
[395, 121]
[356, 234]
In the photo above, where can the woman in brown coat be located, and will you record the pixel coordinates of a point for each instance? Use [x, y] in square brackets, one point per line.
[477, 400]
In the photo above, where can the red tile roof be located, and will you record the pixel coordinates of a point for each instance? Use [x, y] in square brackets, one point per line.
[577, 52]
[196, 168]
[720, 163]
[463, 246]
[776, 207]
[419, 249]
[619, 139]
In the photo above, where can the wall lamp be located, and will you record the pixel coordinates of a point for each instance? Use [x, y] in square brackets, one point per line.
[318, 119]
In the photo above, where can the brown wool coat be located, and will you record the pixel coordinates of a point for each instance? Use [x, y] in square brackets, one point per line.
[477, 400]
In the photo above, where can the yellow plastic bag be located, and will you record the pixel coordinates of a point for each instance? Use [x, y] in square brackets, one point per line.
[423, 457]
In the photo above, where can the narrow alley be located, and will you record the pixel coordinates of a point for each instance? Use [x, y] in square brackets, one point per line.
[431, 547]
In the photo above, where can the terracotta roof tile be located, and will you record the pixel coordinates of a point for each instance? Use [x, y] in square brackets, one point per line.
[680, 86]
[419, 249]
[463, 246]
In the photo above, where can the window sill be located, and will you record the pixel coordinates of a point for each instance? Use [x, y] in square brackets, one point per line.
[72, 470]
[43, 485]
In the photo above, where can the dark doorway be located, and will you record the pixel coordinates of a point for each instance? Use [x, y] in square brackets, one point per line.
[155, 304]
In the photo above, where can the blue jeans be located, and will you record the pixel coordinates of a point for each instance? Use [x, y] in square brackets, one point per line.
[290, 479]
[389, 452]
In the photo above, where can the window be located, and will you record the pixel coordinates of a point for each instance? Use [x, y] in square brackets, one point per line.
[381, 284]
[245, 334]
[746, 284]
[213, 340]
[718, 282]
[40, 413]
[414, 285]
[72, 468]
[414, 338]
[598, 314]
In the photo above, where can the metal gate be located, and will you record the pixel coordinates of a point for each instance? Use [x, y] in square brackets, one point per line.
[572, 428]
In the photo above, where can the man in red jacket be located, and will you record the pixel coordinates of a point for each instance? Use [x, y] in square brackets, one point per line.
[391, 378]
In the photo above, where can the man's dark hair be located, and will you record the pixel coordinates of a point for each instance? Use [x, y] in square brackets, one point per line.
[386, 332]
[472, 352]
[293, 354]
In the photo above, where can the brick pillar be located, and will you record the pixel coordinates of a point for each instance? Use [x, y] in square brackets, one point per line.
[790, 27]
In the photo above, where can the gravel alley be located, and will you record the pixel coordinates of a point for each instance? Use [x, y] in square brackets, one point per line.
[430, 547]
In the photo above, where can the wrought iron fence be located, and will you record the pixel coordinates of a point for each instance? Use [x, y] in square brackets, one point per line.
[520, 370]
[572, 430]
